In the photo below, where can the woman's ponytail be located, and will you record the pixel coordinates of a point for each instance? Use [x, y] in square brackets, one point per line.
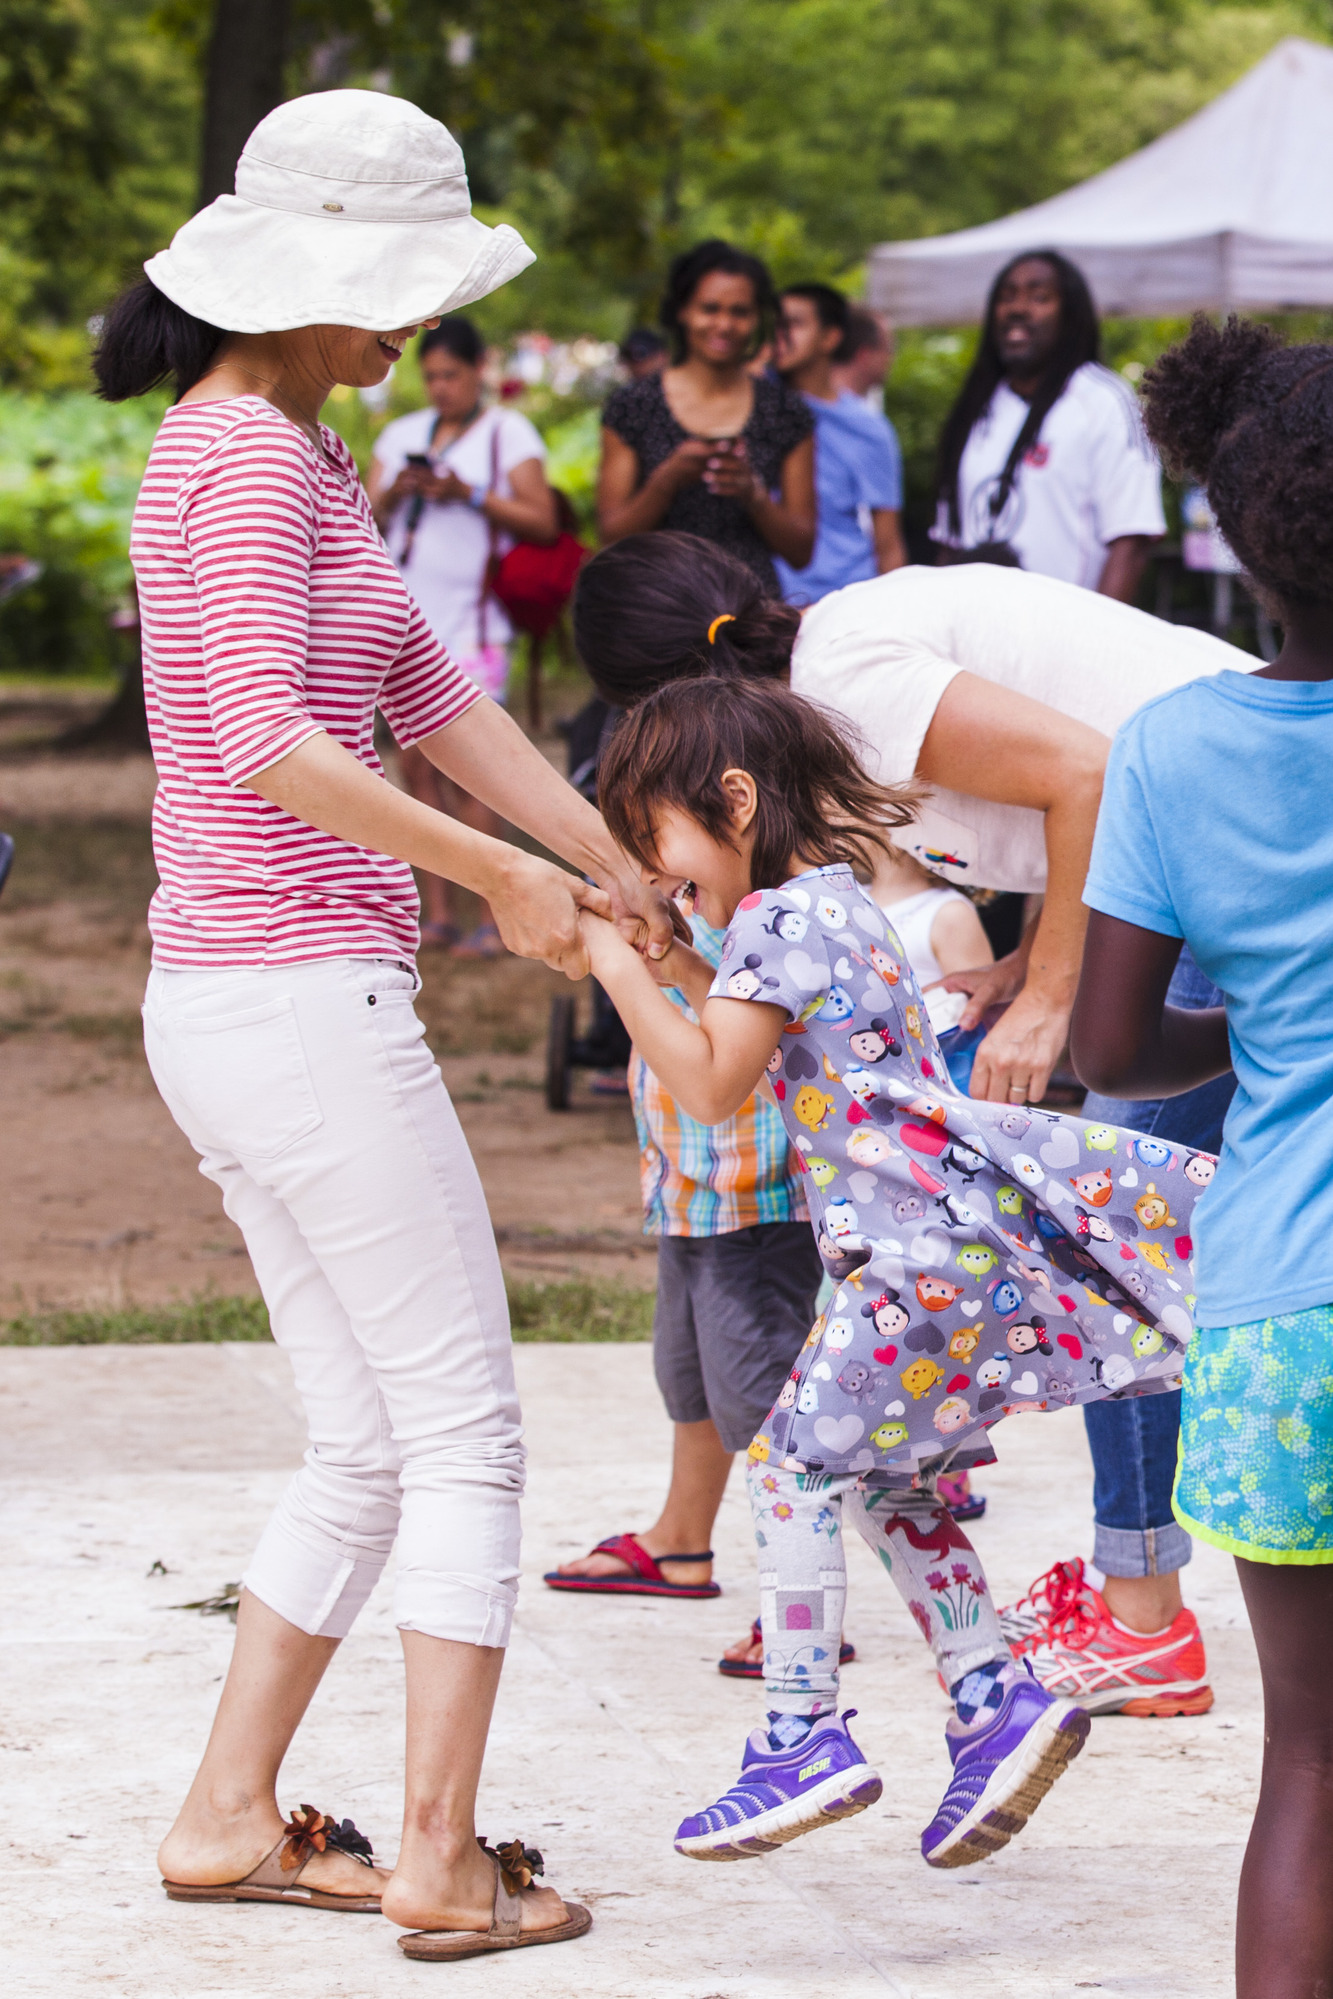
[147, 340]
[665, 606]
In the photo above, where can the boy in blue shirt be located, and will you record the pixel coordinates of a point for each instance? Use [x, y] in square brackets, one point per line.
[858, 462]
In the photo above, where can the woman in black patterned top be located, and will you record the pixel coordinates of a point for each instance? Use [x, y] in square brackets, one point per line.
[706, 447]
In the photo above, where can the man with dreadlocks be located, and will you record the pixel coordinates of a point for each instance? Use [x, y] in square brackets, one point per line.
[1044, 463]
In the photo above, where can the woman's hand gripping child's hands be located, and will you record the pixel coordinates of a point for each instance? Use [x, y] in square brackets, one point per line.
[710, 1066]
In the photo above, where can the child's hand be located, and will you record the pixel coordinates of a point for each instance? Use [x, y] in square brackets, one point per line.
[682, 962]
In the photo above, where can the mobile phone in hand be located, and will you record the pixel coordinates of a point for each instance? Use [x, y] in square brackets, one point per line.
[419, 461]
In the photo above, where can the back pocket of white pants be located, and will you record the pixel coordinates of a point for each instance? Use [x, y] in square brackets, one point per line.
[247, 1080]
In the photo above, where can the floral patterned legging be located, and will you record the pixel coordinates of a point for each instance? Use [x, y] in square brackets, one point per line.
[798, 1520]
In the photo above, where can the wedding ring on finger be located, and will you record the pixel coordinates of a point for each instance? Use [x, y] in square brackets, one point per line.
[1018, 1093]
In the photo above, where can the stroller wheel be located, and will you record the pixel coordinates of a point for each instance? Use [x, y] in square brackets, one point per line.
[559, 1040]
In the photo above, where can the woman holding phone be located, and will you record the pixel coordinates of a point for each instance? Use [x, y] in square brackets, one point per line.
[705, 446]
[451, 485]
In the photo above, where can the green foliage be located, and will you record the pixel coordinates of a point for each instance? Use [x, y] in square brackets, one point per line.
[69, 473]
[927, 375]
[96, 168]
[847, 123]
[579, 1310]
[573, 448]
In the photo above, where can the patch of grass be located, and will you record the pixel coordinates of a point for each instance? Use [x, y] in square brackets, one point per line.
[126, 1028]
[105, 861]
[205, 1318]
[580, 1309]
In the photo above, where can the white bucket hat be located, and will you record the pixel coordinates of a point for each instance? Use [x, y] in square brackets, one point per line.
[351, 209]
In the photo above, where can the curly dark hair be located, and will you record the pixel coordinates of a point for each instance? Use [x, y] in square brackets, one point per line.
[689, 270]
[816, 797]
[1251, 419]
[643, 609]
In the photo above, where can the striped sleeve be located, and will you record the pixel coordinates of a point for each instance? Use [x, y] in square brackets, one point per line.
[249, 520]
[424, 690]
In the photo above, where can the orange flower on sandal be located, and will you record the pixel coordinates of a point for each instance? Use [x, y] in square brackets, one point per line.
[306, 1829]
[518, 1864]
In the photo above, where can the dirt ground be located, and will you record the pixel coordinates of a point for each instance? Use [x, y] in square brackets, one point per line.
[102, 1205]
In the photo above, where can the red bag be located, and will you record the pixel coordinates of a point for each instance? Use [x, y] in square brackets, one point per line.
[534, 580]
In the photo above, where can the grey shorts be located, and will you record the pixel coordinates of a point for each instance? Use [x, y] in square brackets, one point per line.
[732, 1313]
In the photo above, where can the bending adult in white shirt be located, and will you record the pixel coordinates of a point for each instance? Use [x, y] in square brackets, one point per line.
[1044, 461]
[998, 690]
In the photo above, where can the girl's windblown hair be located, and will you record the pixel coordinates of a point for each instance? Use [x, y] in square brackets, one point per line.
[815, 797]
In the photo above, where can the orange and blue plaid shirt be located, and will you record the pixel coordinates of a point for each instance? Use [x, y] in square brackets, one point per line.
[700, 1179]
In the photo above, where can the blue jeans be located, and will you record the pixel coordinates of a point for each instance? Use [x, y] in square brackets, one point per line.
[1134, 1443]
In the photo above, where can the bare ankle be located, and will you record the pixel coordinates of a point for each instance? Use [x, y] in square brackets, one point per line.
[1144, 1603]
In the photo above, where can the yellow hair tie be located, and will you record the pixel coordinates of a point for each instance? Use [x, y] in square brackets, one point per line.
[727, 618]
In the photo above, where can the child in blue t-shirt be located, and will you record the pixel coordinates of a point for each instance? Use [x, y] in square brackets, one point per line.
[986, 1257]
[1215, 829]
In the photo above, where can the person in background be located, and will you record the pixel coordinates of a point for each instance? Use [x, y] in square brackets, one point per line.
[737, 1283]
[1044, 463]
[643, 352]
[865, 356]
[705, 446]
[858, 462]
[451, 485]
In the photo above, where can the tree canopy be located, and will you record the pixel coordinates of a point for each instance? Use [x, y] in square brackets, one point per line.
[613, 132]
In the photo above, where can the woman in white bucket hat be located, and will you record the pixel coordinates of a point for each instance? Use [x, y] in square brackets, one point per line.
[279, 1020]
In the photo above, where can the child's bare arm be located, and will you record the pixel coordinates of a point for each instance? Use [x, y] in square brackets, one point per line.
[710, 1067]
[958, 939]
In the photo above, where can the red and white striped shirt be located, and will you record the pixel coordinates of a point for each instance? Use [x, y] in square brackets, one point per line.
[271, 611]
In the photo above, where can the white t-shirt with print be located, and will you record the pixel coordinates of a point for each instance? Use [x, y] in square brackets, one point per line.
[449, 551]
[1091, 477]
[882, 653]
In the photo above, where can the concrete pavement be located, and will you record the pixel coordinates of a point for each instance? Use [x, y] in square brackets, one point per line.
[612, 1722]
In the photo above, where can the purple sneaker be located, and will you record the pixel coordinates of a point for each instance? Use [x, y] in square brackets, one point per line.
[782, 1793]
[1002, 1773]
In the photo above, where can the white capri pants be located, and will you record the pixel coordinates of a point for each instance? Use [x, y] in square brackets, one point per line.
[314, 1103]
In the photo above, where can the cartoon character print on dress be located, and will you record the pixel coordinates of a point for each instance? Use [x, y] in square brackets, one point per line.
[988, 1257]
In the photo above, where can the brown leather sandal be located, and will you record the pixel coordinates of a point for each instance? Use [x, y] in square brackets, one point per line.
[515, 1867]
[278, 1878]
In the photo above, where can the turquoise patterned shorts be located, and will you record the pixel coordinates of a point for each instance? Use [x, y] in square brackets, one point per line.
[1256, 1438]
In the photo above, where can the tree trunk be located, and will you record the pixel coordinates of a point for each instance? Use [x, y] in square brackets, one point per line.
[244, 83]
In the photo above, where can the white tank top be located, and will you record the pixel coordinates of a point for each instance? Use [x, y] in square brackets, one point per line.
[912, 919]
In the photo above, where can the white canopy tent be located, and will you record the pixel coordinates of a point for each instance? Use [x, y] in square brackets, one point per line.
[1231, 209]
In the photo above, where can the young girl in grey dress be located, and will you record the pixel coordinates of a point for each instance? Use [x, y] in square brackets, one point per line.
[988, 1258]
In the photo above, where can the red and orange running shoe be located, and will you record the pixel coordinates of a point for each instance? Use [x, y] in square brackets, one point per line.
[1078, 1651]
[1027, 1623]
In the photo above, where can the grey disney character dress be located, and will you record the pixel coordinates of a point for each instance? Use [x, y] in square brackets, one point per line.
[990, 1259]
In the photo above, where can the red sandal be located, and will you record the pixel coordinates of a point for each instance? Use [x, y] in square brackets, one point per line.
[645, 1577]
[741, 1669]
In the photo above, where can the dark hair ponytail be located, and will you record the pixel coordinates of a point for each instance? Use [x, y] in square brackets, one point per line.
[146, 340]
[1253, 419]
[644, 607]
